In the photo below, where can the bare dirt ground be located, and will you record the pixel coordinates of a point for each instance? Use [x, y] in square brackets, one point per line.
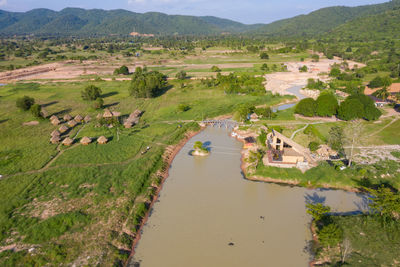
[281, 81]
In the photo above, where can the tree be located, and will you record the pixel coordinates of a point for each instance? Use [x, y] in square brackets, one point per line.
[351, 109]
[304, 68]
[122, 70]
[36, 110]
[385, 202]
[345, 249]
[215, 69]
[315, 58]
[25, 103]
[181, 75]
[335, 72]
[265, 112]
[379, 81]
[306, 107]
[264, 55]
[242, 111]
[91, 93]
[330, 235]
[327, 105]
[382, 93]
[353, 136]
[336, 138]
[313, 146]
[146, 84]
[317, 211]
[183, 107]
[264, 67]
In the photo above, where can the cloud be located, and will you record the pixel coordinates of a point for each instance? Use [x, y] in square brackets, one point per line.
[3, 2]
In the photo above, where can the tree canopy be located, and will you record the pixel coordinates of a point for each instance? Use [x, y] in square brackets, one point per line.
[147, 84]
[24, 103]
[327, 105]
[91, 93]
[306, 107]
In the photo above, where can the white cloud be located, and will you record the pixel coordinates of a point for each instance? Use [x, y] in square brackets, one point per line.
[3, 2]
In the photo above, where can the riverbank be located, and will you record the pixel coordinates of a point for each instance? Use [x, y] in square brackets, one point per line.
[169, 157]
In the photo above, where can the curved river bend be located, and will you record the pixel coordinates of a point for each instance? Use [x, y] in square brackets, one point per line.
[209, 215]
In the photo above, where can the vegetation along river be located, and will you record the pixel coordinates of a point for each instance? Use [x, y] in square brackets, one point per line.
[208, 214]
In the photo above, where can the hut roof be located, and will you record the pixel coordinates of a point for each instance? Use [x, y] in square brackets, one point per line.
[102, 140]
[63, 129]
[67, 117]
[107, 113]
[55, 133]
[53, 117]
[99, 116]
[116, 114]
[55, 121]
[136, 114]
[44, 113]
[72, 123]
[86, 140]
[68, 141]
[87, 118]
[55, 139]
[128, 124]
[78, 118]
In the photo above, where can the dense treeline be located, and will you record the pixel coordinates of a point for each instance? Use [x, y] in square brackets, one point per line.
[147, 84]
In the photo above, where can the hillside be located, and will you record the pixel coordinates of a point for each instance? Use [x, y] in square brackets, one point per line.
[323, 20]
[76, 21]
[374, 27]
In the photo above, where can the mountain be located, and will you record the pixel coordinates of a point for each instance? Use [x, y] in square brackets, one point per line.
[76, 21]
[323, 20]
[386, 24]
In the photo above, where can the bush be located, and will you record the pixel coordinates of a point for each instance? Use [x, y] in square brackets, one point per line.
[330, 235]
[36, 110]
[306, 107]
[264, 55]
[335, 72]
[313, 146]
[303, 69]
[122, 70]
[91, 93]
[98, 103]
[215, 69]
[327, 105]
[25, 103]
[379, 81]
[181, 75]
[183, 107]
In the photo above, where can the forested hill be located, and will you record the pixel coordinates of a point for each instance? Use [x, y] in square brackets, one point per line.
[382, 25]
[323, 20]
[76, 21]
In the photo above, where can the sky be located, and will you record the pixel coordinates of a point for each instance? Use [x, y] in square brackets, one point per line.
[245, 11]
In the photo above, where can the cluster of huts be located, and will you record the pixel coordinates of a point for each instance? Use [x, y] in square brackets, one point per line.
[71, 122]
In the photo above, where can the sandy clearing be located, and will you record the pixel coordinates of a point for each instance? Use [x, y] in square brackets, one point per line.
[281, 81]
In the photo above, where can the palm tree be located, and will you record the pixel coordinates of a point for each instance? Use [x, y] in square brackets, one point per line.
[382, 93]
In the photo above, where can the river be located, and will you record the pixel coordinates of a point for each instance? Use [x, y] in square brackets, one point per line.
[295, 90]
[208, 214]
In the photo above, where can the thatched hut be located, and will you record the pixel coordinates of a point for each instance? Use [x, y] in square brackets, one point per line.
[55, 139]
[55, 133]
[63, 129]
[99, 116]
[72, 123]
[78, 118]
[44, 113]
[55, 121]
[68, 141]
[67, 117]
[86, 140]
[116, 114]
[107, 114]
[53, 117]
[102, 140]
[87, 118]
[128, 124]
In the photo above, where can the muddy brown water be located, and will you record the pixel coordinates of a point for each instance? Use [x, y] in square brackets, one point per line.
[209, 215]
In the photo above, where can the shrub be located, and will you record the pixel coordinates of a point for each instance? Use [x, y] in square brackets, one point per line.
[25, 103]
[98, 103]
[183, 107]
[313, 146]
[327, 105]
[181, 75]
[330, 235]
[303, 69]
[146, 84]
[379, 81]
[91, 93]
[122, 70]
[306, 107]
[264, 55]
[215, 69]
[36, 110]
[335, 72]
